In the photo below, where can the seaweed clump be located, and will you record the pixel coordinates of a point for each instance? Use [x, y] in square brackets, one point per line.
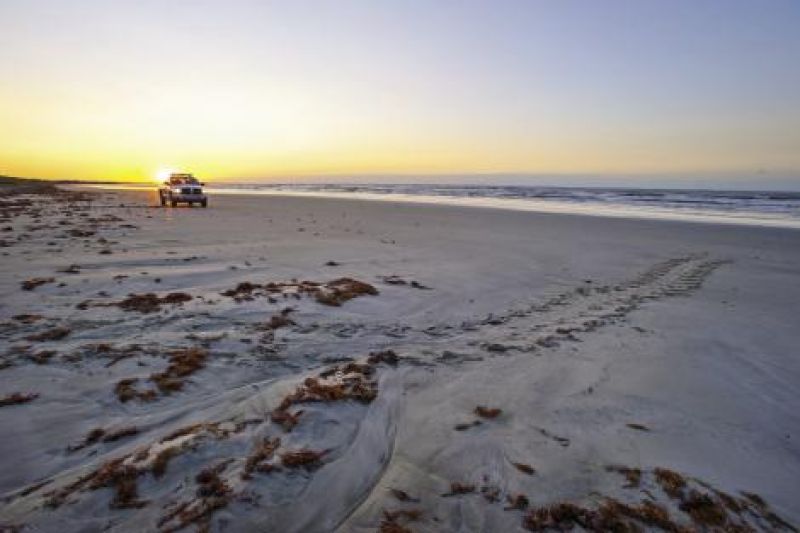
[53, 334]
[338, 291]
[150, 302]
[264, 451]
[333, 293]
[16, 398]
[182, 363]
[30, 284]
[142, 303]
[101, 435]
[487, 412]
[305, 458]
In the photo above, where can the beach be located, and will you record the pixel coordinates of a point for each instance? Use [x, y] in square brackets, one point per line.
[289, 363]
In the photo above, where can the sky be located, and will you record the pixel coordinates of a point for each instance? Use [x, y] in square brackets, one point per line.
[627, 91]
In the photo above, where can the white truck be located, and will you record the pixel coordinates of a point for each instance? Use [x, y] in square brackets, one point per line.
[182, 188]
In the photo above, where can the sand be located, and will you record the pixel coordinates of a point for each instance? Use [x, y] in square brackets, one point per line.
[663, 351]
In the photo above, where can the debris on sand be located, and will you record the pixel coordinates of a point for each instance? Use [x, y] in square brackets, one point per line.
[392, 527]
[162, 459]
[278, 321]
[148, 303]
[705, 507]
[338, 291]
[30, 284]
[305, 458]
[116, 474]
[143, 303]
[210, 484]
[391, 522]
[242, 290]
[467, 425]
[126, 391]
[198, 512]
[385, 356]
[517, 502]
[42, 357]
[256, 461]
[457, 488]
[490, 493]
[116, 354]
[671, 482]
[53, 334]
[71, 269]
[403, 496]
[525, 468]
[397, 280]
[285, 419]
[350, 382]
[101, 435]
[563, 441]
[393, 280]
[17, 398]
[27, 318]
[332, 293]
[122, 478]
[182, 363]
[633, 476]
[487, 412]
[638, 427]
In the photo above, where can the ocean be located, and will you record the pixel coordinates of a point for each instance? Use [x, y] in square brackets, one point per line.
[742, 207]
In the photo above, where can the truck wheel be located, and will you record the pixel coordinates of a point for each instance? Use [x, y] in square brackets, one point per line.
[204, 203]
[174, 203]
[162, 199]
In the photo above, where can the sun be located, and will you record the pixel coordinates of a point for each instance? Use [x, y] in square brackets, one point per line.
[162, 174]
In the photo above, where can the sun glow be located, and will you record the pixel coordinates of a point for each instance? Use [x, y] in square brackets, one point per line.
[162, 174]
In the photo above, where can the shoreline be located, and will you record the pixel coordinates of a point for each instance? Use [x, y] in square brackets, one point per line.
[605, 343]
[528, 205]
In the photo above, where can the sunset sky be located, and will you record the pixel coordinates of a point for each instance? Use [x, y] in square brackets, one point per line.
[306, 90]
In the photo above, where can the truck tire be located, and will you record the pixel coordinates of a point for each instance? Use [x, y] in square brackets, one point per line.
[204, 202]
[162, 199]
[174, 203]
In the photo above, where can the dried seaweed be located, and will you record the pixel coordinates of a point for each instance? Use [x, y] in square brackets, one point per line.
[126, 391]
[17, 398]
[162, 459]
[633, 476]
[305, 458]
[338, 291]
[403, 496]
[518, 502]
[671, 482]
[53, 334]
[285, 419]
[487, 412]
[457, 488]
[386, 356]
[30, 284]
[264, 451]
[524, 468]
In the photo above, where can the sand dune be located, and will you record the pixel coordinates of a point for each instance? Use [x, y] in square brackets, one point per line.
[306, 364]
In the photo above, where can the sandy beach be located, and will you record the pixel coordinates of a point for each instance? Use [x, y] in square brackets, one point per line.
[306, 364]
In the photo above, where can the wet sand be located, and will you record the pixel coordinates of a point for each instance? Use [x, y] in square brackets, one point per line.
[652, 364]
